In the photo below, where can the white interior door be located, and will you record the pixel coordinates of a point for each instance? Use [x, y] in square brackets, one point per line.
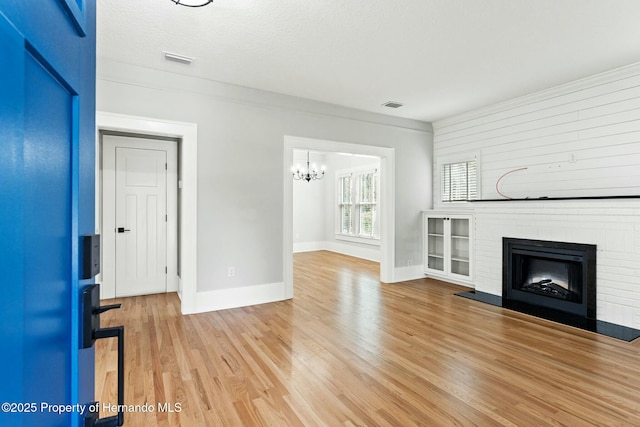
[139, 213]
[141, 221]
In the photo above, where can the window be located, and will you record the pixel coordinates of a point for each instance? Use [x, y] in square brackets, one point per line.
[459, 181]
[345, 205]
[358, 204]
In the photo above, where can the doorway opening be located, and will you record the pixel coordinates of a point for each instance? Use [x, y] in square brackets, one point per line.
[139, 214]
[387, 200]
[187, 133]
[339, 212]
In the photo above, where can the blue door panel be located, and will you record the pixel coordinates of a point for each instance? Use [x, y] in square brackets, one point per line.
[51, 29]
[47, 158]
[47, 219]
[11, 242]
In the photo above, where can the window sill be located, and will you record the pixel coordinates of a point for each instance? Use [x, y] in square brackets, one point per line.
[355, 239]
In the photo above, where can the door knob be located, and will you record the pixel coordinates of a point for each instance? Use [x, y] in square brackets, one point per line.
[122, 229]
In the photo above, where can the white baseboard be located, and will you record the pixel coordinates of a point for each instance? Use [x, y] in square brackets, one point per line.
[370, 254]
[451, 280]
[239, 297]
[413, 272]
[308, 247]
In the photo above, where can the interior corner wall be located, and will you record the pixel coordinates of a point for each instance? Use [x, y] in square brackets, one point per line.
[579, 139]
[240, 165]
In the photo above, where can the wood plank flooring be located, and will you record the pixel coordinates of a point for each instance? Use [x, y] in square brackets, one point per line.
[350, 351]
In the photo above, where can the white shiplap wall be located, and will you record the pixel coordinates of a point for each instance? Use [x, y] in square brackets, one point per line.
[579, 139]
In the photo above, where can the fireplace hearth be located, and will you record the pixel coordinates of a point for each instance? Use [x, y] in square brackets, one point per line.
[556, 276]
[554, 281]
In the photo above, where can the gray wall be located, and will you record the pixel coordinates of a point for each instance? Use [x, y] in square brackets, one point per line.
[240, 163]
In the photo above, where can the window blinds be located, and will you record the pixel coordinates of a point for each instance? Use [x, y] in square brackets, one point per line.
[459, 181]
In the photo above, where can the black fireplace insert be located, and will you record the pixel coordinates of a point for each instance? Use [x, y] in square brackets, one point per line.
[554, 275]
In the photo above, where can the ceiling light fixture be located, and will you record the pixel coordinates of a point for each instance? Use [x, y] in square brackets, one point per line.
[192, 3]
[311, 172]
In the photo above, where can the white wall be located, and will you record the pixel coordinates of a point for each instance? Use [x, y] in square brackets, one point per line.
[309, 206]
[240, 165]
[579, 139]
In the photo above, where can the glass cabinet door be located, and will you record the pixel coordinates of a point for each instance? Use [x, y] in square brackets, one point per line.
[435, 242]
[448, 245]
[459, 245]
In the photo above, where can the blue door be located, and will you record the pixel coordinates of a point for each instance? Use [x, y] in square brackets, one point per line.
[47, 150]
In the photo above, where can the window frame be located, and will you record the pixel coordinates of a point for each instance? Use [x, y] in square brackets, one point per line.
[456, 159]
[356, 204]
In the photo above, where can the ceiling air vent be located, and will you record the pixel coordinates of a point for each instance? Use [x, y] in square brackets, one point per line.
[392, 104]
[181, 59]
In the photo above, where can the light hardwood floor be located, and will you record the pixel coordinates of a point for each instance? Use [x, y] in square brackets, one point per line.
[350, 351]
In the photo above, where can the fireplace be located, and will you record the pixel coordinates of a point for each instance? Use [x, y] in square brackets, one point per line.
[554, 276]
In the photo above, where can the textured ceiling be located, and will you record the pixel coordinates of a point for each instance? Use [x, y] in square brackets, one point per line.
[438, 57]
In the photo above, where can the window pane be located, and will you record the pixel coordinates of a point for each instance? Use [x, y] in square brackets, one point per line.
[345, 219]
[446, 183]
[366, 188]
[345, 189]
[366, 220]
[459, 181]
[472, 181]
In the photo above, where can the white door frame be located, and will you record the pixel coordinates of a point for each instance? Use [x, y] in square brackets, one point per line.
[108, 196]
[387, 200]
[188, 134]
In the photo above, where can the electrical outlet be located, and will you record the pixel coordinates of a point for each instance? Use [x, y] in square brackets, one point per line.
[231, 272]
[409, 263]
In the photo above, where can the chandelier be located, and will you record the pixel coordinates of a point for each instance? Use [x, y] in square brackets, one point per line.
[311, 173]
[192, 3]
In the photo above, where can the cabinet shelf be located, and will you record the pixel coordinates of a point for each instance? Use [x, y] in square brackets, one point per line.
[448, 241]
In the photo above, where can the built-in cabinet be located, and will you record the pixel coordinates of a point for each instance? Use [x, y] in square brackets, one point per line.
[448, 246]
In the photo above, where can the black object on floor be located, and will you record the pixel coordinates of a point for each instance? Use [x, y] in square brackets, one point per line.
[598, 326]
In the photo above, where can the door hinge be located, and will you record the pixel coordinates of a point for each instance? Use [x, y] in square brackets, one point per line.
[166, 218]
[166, 270]
[165, 166]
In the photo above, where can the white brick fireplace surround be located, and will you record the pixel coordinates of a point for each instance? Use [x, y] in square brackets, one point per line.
[612, 225]
[580, 139]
